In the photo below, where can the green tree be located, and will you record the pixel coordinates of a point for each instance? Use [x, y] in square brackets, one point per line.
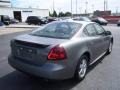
[50, 14]
[61, 14]
[68, 14]
[54, 14]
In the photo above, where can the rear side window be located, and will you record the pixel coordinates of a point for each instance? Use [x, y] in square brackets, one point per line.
[91, 30]
[99, 29]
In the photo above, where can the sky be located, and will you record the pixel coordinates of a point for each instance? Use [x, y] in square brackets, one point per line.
[65, 5]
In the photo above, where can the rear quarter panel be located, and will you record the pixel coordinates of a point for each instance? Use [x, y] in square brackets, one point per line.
[75, 49]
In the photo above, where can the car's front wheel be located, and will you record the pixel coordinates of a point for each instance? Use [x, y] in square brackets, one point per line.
[81, 68]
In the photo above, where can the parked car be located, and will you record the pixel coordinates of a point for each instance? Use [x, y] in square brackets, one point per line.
[13, 21]
[82, 19]
[61, 49]
[5, 19]
[100, 21]
[44, 20]
[1, 24]
[51, 19]
[118, 23]
[37, 20]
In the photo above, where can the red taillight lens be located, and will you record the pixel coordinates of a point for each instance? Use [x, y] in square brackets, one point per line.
[57, 53]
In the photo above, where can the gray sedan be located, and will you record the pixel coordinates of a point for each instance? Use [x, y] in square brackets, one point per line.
[61, 49]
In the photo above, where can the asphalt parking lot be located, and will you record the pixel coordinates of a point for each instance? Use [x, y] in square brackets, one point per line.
[103, 75]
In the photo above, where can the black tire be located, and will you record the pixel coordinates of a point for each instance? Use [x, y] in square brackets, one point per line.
[77, 75]
[109, 48]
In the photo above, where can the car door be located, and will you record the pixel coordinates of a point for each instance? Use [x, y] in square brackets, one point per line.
[93, 41]
[104, 38]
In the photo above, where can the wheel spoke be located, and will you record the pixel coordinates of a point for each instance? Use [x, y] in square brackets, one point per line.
[82, 68]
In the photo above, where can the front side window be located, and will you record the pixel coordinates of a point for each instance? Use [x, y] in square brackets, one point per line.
[62, 30]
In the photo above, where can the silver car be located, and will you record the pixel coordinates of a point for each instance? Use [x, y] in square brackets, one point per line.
[61, 49]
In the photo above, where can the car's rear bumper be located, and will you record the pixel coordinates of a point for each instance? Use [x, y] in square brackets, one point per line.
[48, 70]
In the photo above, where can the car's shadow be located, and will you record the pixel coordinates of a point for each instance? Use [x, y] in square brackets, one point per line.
[19, 81]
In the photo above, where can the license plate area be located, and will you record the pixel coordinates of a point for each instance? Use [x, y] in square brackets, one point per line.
[26, 52]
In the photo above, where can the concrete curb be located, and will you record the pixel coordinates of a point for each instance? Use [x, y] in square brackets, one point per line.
[1, 27]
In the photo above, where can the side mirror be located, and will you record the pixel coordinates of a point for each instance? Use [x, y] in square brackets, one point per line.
[108, 33]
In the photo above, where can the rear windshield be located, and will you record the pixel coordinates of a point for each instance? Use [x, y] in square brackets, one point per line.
[62, 30]
[101, 19]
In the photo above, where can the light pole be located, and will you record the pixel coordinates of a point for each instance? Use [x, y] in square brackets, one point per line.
[80, 8]
[59, 11]
[76, 7]
[116, 10]
[93, 8]
[71, 8]
[86, 6]
[105, 5]
[53, 6]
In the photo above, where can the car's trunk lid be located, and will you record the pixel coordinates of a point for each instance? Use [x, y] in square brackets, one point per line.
[34, 49]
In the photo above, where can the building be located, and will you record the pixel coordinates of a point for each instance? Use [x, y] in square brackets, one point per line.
[5, 3]
[102, 13]
[20, 13]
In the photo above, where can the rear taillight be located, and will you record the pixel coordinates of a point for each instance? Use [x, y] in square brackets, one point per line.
[57, 53]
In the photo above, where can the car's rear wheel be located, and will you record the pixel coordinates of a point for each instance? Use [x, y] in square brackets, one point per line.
[110, 48]
[81, 68]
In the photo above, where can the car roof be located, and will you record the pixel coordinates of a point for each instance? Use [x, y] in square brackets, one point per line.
[84, 23]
